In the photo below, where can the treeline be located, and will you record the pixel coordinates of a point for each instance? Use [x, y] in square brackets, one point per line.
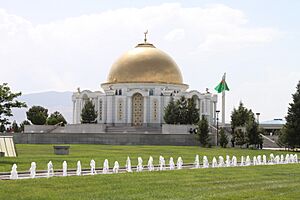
[36, 115]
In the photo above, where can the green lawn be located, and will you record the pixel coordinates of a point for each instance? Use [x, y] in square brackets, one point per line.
[42, 154]
[255, 182]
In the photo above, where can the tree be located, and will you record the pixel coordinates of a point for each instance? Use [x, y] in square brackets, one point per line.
[171, 113]
[56, 118]
[292, 126]
[252, 133]
[192, 112]
[223, 138]
[182, 103]
[239, 137]
[22, 125]
[182, 111]
[37, 115]
[7, 102]
[243, 117]
[203, 131]
[88, 114]
[240, 116]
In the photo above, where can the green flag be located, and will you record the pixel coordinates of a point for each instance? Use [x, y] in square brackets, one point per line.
[222, 86]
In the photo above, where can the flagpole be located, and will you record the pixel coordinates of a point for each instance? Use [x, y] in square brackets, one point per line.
[223, 103]
[221, 88]
[223, 108]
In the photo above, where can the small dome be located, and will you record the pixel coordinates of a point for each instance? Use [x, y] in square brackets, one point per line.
[145, 64]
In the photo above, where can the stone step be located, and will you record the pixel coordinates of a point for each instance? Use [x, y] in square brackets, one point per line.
[268, 144]
[117, 129]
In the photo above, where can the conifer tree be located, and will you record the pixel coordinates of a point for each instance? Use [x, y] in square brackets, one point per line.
[203, 131]
[88, 114]
[240, 116]
[182, 111]
[182, 103]
[223, 138]
[292, 126]
[252, 133]
[192, 112]
[239, 137]
[171, 113]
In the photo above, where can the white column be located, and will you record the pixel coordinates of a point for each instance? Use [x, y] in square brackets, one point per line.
[104, 109]
[214, 113]
[129, 110]
[78, 111]
[98, 110]
[145, 109]
[74, 112]
[109, 106]
[160, 112]
[208, 110]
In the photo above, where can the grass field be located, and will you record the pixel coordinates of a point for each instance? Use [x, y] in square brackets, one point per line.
[42, 154]
[276, 182]
[254, 182]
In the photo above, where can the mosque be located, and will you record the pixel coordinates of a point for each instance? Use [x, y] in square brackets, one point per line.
[139, 86]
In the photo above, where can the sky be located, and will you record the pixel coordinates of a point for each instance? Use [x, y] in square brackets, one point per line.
[62, 45]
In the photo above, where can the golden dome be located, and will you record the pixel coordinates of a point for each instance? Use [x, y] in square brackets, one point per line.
[145, 64]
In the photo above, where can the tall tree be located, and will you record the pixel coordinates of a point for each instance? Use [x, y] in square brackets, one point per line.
[192, 112]
[240, 116]
[56, 118]
[223, 138]
[8, 100]
[292, 126]
[252, 133]
[203, 131]
[239, 137]
[182, 111]
[171, 113]
[182, 103]
[88, 114]
[37, 115]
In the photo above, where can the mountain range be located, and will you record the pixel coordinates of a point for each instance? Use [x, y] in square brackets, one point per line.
[51, 100]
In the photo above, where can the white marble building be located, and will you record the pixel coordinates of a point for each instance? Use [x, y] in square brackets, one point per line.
[140, 85]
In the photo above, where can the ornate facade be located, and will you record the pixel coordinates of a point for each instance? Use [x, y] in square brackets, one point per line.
[140, 85]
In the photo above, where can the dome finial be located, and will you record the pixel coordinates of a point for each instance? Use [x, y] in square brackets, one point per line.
[145, 33]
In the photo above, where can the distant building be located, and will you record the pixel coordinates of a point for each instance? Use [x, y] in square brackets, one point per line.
[140, 85]
[272, 126]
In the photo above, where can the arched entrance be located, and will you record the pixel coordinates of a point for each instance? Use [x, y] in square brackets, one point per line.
[137, 109]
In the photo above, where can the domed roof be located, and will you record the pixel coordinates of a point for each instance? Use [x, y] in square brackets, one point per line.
[145, 64]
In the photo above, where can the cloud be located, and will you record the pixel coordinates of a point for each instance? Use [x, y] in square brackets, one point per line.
[176, 34]
[78, 51]
[62, 55]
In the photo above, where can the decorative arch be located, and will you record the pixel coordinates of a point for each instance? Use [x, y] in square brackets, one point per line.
[137, 109]
[85, 98]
